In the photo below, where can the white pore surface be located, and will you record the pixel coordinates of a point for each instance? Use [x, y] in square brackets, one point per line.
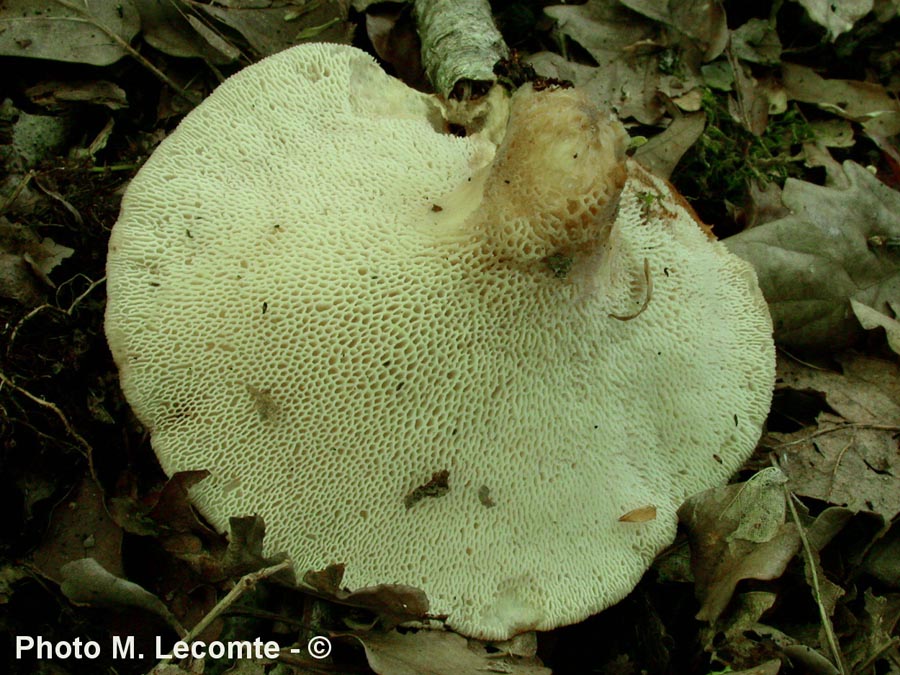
[288, 311]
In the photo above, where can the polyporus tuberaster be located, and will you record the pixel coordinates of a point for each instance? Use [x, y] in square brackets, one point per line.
[454, 363]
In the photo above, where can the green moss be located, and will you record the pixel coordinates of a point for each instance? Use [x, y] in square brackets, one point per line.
[727, 157]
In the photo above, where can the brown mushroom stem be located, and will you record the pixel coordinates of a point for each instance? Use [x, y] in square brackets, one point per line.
[460, 46]
[555, 183]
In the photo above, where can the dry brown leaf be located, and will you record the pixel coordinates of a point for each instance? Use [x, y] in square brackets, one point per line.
[856, 466]
[836, 17]
[750, 104]
[876, 629]
[438, 653]
[771, 667]
[735, 639]
[718, 523]
[392, 31]
[67, 30]
[165, 27]
[871, 318]
[883, 560]
[661, 154]
[865, 102]
[55, 95]
[85, 582]
[245, 550]
[702, 20]
[80, 527]
[25, 262]
[757, 41]
[634, 65]
[812, 262]
[272, 28]
[394, 603]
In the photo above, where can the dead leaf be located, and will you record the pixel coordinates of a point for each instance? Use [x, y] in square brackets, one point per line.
[55, 95]
[871, 318]
[166, 510]
[833, 133]
[80, 527]
[877, 626]
[661, 154]
[85, 582]
[750, 105]
[392, 31]
[855, 466]
[215, 39]
[734, 639]
[39, 137]
[702, 20]
[718, 523]
[641, 514]
[633, 64]
[885, 10]
[812, 262]
[883, 560]
[771, 667]
[10, 575]
[836, 17]
[438, 653]
[865, 102]
[25, 262]
[165, 27]
[269, 29]
[825, 592]
[757, 41]
[394, 603]
[245, 549]
[866, 392]
[173, 510]
[79, 31]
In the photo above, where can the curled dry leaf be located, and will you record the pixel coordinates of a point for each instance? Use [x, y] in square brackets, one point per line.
[245, 550]
[25, 262]
[394, 603]
[813, 261]
[757, 41]
[836, 17]
[639, 515]
[737, 532]
[865, 102]
[85, 582]
[871, 318]
[734, 640]
[164, 25]
[661, 154]
[702, 20]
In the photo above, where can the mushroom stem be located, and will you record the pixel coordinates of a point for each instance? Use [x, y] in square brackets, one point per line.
[460, 46]
[554, 186]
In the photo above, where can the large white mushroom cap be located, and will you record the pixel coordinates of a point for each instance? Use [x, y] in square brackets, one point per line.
[325, 299]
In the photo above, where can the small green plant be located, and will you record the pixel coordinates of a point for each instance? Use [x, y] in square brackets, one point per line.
[720, 166]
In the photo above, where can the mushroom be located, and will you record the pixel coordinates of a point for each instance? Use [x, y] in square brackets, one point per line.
[457, 363]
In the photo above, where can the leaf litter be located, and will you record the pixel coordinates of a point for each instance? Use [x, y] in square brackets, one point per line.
[781, 585]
